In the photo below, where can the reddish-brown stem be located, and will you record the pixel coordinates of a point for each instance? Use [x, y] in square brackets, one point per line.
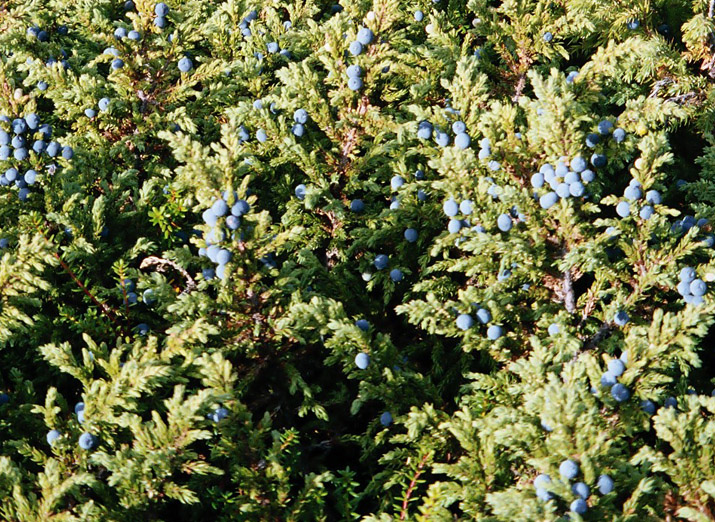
[418, 472]
[111, 314]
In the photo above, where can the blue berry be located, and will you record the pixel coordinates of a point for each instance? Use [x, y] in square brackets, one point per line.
[103, 104]
[120, 32]
[298, 130]
[578, 164]
[148, 296]
[687, 274]
[462, 140]
[577, 189]
[581, 489]
[568, 469]
[620, 392]
[362, 324]
[484, 316]
[185, 64]
[542, 480]
[300, 116]
[20, 154]
[494, 332]
[633, 193]
[362, 360]
[242, 207]
[454, 226]
[493, 165]
[553, 329]
[354, 71]
[32, 121]
[605, 127]
[396, 275]
[396, 182]
[465, 207]
[441, 138]
[571, 77]
[547, 36]
[648, 406]
[623, 209]
[364, 36]
[381, 261]
[563, 190]
[355, 48]
[598, 160]
[537, 180]
[52, 436]
[261, 136]
[616, 367]
[646, 212]
[608, 379]
[543, 495]
[579, 506]
[219, 414]
[386, 419]
[31, 176]
[548, 200]
[605, 484]
[464, 321]
[592, 140]
[272, 47]
[671, 402]
[161, 9]
[219, 208]
[117, 63]
[419, 16]
[459, 127]
[134, 35]
[411, 235]
[87, 441]
[90, 113]
[621, 318]
[357, 205]
[223, 256]
[619, 135]
[698, 287]
[450, 207]
[504, 222]
[42, 86]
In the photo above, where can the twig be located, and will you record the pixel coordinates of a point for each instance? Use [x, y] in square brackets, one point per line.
[160, 263]
[111, 314]
[569, 299]
[711, 9]
[418, 472]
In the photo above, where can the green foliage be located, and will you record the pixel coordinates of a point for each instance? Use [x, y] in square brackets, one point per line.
[231, 391]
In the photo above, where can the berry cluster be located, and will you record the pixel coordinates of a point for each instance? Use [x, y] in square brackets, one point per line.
[609, 379]
[462, 140]
[363, 39]
[221, 217]
[22, 143]
[565, 182]
[691, 288]
[484, 316]
[569, 470]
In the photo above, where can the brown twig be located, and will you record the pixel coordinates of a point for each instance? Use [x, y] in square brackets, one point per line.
[160, 263]
[418, 472]
[106, 309]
